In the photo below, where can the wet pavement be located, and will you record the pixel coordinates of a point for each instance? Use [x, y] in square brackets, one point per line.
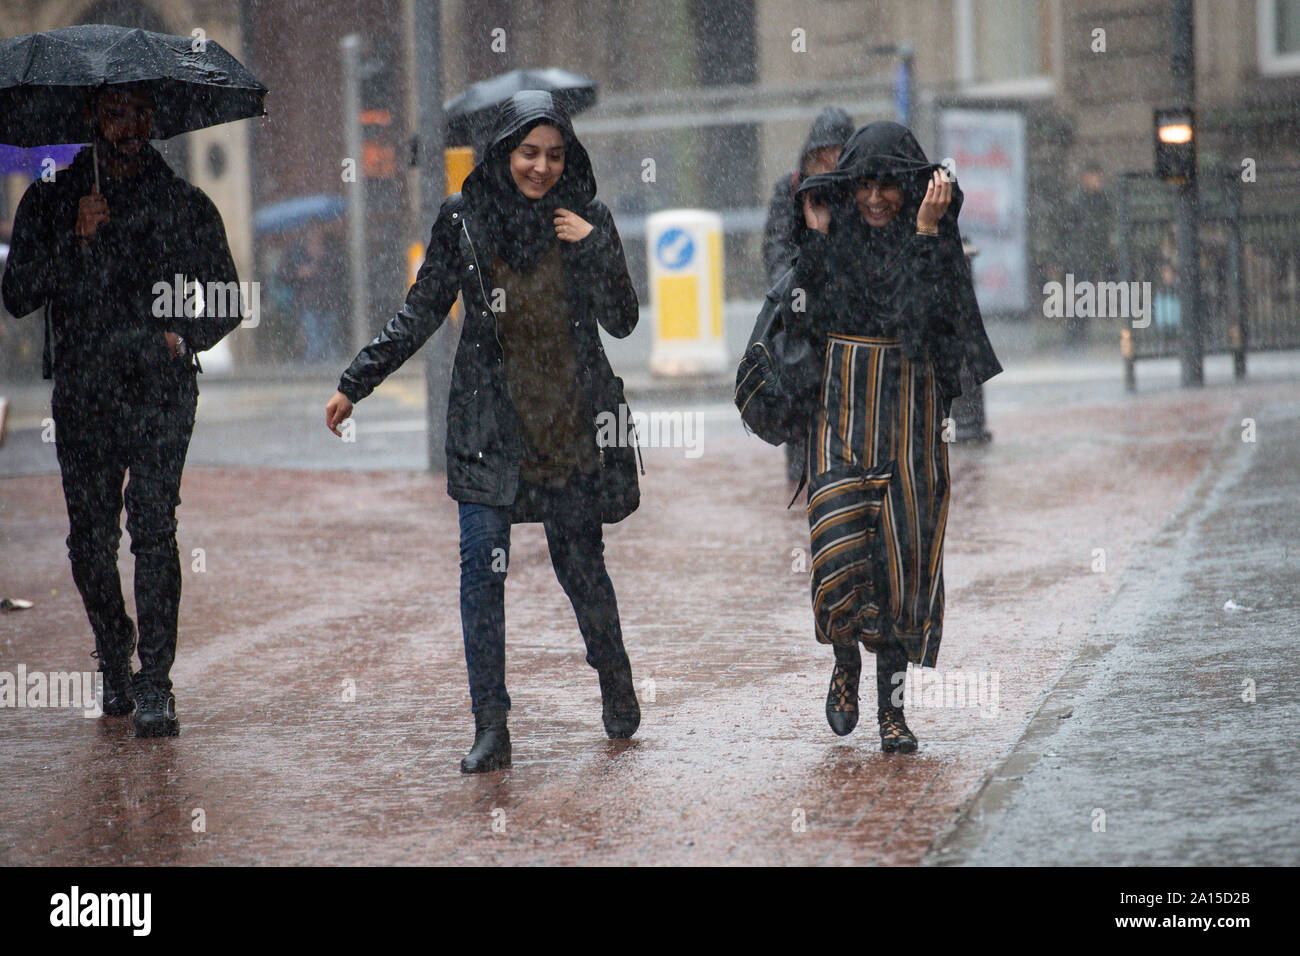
[1171, 739]
[321, 685]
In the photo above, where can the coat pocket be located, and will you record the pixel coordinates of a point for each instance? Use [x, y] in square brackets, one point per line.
[616, 442]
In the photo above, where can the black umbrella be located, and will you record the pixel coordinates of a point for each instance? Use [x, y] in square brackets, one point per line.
[470, 115]
[45, 79]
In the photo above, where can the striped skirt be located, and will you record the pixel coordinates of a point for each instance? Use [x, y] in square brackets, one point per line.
[878, 499]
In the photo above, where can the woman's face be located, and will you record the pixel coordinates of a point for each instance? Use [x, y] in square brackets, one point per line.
[878, 204]
[537, 162]
[822, 160]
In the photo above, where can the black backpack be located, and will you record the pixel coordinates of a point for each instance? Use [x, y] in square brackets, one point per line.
[779, 374]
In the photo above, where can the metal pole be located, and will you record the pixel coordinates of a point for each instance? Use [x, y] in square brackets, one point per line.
[440, 352]
[903, 85]
[356, 196]
[903, 77]
[1127, 346]
[1238, 331]
[1183, 64]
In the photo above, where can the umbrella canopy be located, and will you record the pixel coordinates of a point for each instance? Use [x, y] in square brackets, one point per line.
[45, 79]
[471, 114]
[30, 162]
[299, 211]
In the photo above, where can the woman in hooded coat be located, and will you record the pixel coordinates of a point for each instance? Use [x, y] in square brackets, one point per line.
[891, 305]
[820, 153]
[538, 263]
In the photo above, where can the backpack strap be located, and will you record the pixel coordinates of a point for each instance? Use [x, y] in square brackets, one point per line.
[803, 480]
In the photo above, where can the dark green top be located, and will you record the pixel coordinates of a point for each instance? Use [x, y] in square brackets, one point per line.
[541, 370]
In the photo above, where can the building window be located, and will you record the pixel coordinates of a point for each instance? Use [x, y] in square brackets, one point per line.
[1279, 36]
[1005, 47]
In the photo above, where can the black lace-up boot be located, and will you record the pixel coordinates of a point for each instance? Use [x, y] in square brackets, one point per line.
[891, 672]
[117, 700]
[115, 664]
[842, 698]
[155, 710]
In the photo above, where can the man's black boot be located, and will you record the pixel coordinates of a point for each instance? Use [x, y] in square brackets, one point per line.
[117, 700]
[155, 711]
[618, 704]
[491, 750]
[115, 666]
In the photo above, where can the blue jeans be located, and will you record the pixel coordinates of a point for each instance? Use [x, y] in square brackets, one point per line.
[574, 537]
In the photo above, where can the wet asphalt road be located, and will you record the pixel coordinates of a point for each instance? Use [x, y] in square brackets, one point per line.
[1171, 739]
[321, 684]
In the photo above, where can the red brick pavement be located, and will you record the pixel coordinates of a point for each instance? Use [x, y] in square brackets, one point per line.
[315, 579]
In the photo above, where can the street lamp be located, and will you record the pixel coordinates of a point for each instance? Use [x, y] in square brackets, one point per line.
[1176, 145]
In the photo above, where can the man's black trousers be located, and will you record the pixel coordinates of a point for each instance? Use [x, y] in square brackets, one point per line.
[101, 441]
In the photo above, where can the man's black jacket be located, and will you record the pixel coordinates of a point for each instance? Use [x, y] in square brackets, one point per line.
[107, 313]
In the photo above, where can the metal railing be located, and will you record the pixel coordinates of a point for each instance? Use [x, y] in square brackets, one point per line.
[1249, 263]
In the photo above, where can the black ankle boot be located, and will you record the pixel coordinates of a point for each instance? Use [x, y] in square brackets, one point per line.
[491, 750]
[842, 698]
[618, 704]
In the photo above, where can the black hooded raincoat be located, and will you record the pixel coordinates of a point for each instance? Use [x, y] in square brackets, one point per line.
[484, 438]
[894, 314]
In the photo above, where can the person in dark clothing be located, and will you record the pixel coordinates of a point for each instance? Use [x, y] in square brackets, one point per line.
[530, 379]
[820, 153]
[1087, 243]
[892, 306]
[310, 271]
[97, 247]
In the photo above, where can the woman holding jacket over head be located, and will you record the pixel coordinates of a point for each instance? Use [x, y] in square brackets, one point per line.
[891, 305]
[538, 262]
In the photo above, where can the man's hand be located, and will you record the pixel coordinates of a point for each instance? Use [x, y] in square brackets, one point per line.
[173, 343]
[91, 211]
[816, 214]
[570, 227]
[938, 194]
[337, 411]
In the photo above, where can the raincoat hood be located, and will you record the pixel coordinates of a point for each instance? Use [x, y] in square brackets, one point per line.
[878, 271]
[883, 151]
[518, 229]
[515, 119]
[832, 127]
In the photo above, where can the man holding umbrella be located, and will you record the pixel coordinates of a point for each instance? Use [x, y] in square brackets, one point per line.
[94, 246]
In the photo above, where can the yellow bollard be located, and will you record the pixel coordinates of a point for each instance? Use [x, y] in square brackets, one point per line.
[459, 163]
[684, 250]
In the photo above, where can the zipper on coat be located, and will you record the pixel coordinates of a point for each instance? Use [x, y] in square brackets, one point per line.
[478, 268]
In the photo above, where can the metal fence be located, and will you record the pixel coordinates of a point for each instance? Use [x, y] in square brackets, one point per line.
[1249, 263]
